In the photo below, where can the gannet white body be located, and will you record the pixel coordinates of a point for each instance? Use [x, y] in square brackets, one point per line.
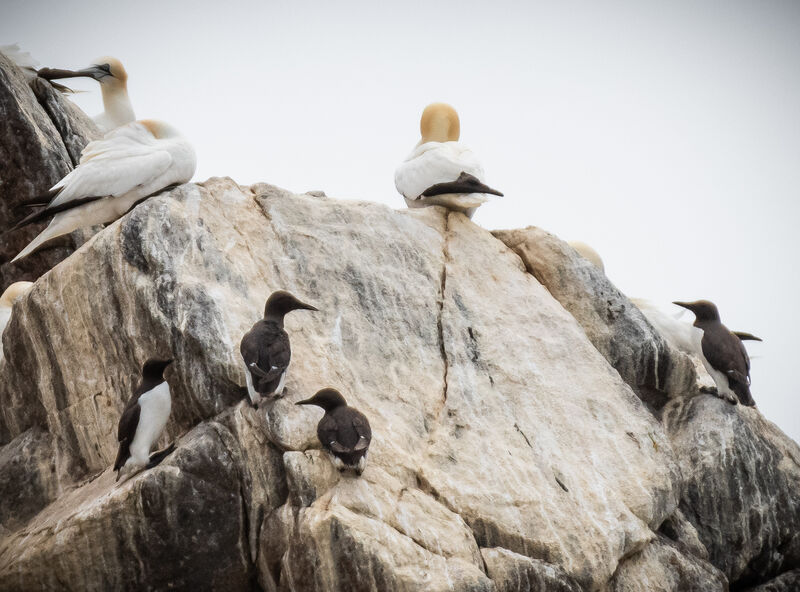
[682, 335]
[129, 164]
[7, 300]
[113, 80]
[440, 170]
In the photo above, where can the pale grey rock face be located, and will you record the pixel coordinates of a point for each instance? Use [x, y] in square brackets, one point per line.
[40, 141]
[741, 487]
[511, 448]
[614, 325]
[662, 567]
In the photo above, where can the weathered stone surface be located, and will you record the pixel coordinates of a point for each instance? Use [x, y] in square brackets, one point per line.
[787, 582]
[512, 572]
[441, 358]
[509, 451]
[741, 487]
[40, 141]
[614, 325]
[661, 567]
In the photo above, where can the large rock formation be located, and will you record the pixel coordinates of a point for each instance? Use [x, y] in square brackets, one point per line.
[531, 430]
[40, 141]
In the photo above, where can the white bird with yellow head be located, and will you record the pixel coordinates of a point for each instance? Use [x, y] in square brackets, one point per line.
[113, 80]
[441, 171]
[129, 164]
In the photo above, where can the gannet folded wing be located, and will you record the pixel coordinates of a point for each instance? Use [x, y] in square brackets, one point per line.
[433, 163]
[128, 165]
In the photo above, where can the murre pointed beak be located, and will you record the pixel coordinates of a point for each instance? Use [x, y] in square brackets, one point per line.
[305, 402]
[305, 306]
[686, 305]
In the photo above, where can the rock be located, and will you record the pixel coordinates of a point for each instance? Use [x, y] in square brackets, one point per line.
[511, 446]
[787, 582]
[661, 567]
[513, 572]
[741, 487]
[40, 142]
[612, 323]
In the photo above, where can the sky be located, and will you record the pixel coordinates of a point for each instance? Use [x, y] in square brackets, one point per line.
[664, 134]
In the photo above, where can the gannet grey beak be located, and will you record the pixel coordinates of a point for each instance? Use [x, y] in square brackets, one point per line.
[98, 72]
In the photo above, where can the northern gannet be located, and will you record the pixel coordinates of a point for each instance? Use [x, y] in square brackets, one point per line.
[143, 420]
[7, 300]
[265, 348]
[113, 80]
[128, 165]
[343, 431]
[440, 171]
[722, 353]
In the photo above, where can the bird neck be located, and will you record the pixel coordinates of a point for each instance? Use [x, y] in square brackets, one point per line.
[116, 102]
[276, 318]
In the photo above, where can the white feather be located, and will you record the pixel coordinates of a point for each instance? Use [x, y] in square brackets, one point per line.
[438, 162]
[155, 405]
[127, 165]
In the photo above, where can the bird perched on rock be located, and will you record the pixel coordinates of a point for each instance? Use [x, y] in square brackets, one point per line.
[343, 431]
[722, 353]
[265, 348]
[7, 300]
[129, 164]
[113, 80]
[25, 62]
[143, 420]
[440, 171]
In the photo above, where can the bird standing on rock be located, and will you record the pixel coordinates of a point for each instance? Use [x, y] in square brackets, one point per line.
[127, 166]
[265, 348]
[143, 420]
[723, 353]
[440, 171]
[343, 431]
[113, 81]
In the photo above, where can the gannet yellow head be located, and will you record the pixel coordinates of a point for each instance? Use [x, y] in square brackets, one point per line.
[439, 123]
[589, 253]
[107, 71]
[13, 292]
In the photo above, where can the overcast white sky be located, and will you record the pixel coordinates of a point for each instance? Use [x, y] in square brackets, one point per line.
[665, 134]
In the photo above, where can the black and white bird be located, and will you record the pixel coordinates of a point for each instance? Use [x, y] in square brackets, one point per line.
[113, 80]
[343, 431]
[265, 348]
[128, 165]
[722, 352]
[441, 171]
[143, 420]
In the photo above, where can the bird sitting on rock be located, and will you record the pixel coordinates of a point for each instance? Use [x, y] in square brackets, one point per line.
[343, 431]
[723, 353]
[143, 420]
[440, 171]
[128, 165]
[265, 348]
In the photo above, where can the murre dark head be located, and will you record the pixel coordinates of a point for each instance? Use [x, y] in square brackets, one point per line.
[327, 398]
[282, 302]
[154, 368]
[704, 310]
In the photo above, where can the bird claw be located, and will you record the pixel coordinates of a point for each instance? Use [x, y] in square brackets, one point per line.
[709, 390]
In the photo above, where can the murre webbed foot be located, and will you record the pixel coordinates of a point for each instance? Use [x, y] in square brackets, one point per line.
[160, 455]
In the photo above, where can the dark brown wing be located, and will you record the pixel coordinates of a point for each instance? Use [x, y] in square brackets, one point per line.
[266, 352]
[361, 426]
[465, 183]
[726, 353]
[127, 430]
[327, 432]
